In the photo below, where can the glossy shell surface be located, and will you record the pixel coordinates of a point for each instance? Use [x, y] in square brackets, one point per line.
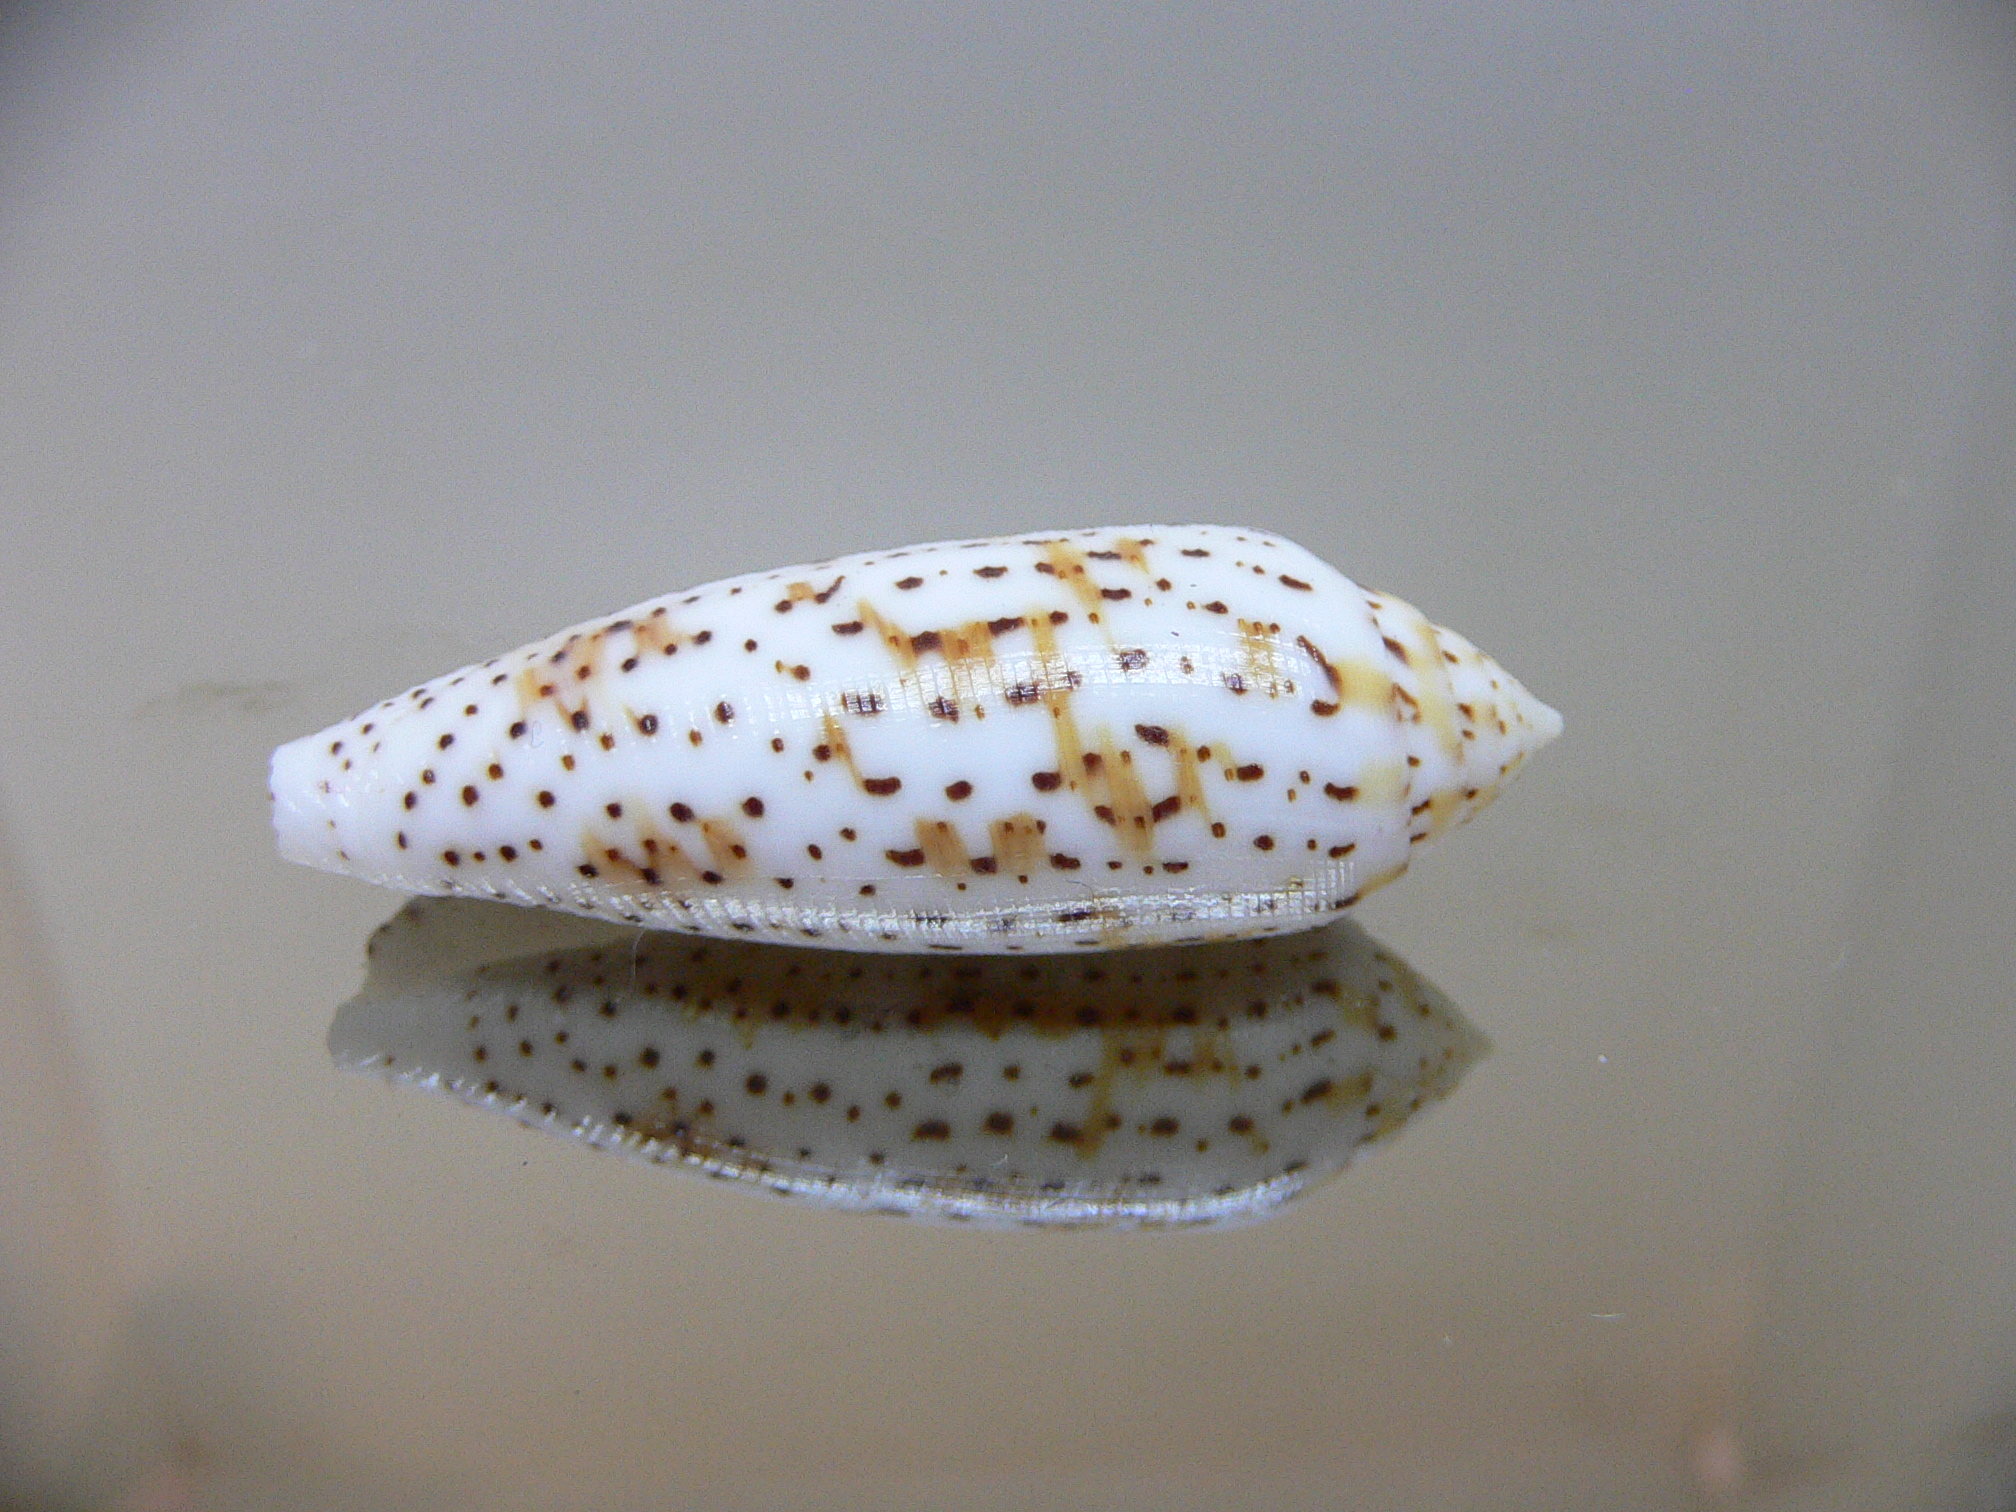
[1090, 739]
[1173, 1086]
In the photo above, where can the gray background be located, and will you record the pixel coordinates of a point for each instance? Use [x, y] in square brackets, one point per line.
[1666, 353]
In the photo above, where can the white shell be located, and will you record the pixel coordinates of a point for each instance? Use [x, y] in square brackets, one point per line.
[1199, 1085]
[1131, 736]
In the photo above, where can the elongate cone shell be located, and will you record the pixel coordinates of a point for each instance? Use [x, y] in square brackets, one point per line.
[1164, 1086]
[1109, 737]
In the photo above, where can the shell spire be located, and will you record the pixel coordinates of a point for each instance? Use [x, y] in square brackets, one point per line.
[1115, 737]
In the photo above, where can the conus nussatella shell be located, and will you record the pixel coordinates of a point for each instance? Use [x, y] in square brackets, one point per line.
[1098, 738]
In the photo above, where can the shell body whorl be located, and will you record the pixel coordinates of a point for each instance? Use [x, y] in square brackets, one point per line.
[1096, 738]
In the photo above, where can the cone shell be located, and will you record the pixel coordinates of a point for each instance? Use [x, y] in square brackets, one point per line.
[1138, 736]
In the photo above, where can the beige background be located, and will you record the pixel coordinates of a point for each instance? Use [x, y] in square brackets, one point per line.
[1667, 355]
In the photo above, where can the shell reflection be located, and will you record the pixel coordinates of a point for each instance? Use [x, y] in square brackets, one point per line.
[1182, 1085]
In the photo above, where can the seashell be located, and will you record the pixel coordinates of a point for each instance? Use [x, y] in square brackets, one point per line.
[1159, 734]
[1167, 1086]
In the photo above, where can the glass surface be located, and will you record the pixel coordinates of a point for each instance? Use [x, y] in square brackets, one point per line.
[1667, 355]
